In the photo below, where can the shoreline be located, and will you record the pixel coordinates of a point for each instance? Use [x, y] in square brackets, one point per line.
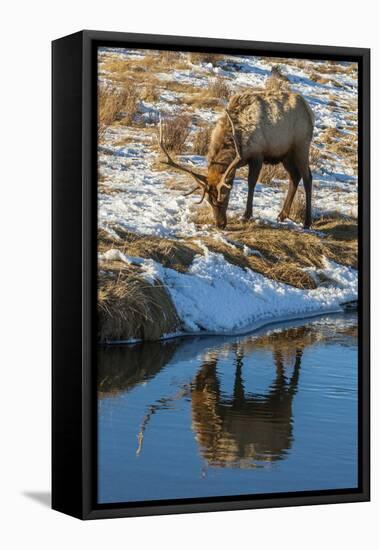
[254, 328]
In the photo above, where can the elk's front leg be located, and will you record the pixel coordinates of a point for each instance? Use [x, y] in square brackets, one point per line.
[252, 178]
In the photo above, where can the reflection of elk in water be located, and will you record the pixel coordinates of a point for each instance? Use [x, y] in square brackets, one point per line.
[233, 431]
[238, 430]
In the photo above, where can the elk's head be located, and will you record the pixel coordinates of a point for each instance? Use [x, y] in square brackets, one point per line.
[216, 186]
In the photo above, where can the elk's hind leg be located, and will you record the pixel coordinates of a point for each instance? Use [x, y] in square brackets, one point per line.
[294, 178]
[302, 163]
[307, 180]
[254, 170]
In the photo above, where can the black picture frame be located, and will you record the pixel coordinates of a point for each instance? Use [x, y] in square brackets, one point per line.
[74, 74]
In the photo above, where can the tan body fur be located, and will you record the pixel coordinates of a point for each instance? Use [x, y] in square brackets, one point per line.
[273, 125]
[269, 126]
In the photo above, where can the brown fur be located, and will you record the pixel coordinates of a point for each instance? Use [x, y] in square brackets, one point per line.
[258, 127]
[273, 125]
[277, 81]
[270, 124]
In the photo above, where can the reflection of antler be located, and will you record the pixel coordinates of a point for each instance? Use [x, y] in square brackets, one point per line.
[239, 388]
[291, 385]
[160, 404]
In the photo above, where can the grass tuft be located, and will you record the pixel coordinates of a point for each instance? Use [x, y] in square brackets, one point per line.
[176, 131]
[201, 141]
[114, 103]
[219, 88]
[129, 306]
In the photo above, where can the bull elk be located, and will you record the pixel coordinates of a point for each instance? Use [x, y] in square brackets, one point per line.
[265, 127]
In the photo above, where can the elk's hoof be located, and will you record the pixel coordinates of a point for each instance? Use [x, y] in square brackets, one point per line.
[281, 217]
[245, 218]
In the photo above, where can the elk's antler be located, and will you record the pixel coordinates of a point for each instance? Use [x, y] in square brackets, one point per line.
[234, 162]
[199, 178]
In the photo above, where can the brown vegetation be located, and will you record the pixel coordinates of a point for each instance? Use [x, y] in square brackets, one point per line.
[338, 228]
[150, 92]
[219, 88]
[175, 254]
[115, 102]
[271, 172]
[129, 306]
[201, 141]
[199, 57]
[176, 131]
[343, 144]
[282, 254]
[211, 97]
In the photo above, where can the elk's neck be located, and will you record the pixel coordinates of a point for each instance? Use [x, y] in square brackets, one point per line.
[221, 153]
[218, 165]
[215, 172]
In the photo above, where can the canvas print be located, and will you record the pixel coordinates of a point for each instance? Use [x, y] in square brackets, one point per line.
[227, 202]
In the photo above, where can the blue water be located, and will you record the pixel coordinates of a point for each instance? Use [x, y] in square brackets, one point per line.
[202, 417]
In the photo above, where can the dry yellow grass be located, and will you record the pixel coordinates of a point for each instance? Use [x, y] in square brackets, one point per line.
[338, 229]
[205, 57]
[200, 142]
[271, 172]
[150, 92]
[176, 130]
[132, 307]
[220, 88]
[343, 144]
[282, 254]
[201, 100]
[115, 102]
[129, 306]
[271, 258]
[278, 253]
[154, 61]
[170, 253]
[213, 96]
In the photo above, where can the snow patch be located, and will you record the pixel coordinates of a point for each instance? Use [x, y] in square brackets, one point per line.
[218, 297]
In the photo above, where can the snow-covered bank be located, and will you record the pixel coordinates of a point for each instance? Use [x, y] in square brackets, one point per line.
[159, 249]
[134, 195]
[217, 297]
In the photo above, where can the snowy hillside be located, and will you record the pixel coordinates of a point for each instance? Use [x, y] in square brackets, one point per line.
[231, 282]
